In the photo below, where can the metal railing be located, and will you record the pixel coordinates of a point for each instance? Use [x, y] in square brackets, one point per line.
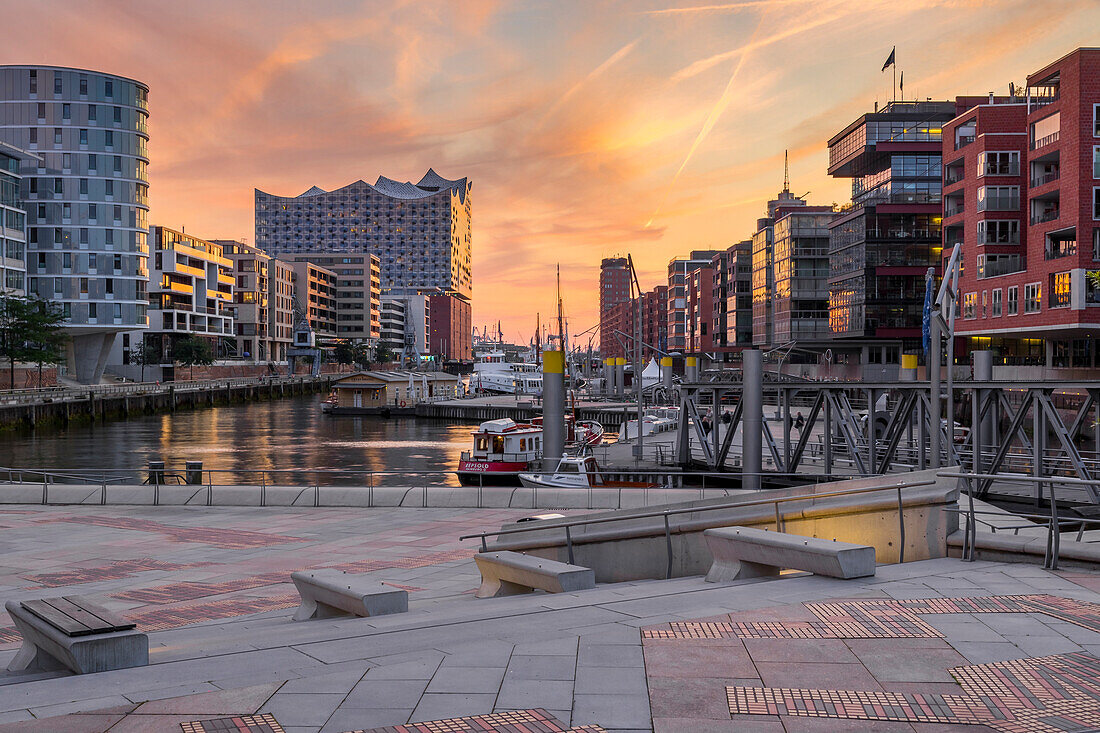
[1053, 522]
[567, 525]
[414, 483]
[1045, 140]
[39, 394]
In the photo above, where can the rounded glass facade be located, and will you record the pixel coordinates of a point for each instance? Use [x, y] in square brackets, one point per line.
[87, 201]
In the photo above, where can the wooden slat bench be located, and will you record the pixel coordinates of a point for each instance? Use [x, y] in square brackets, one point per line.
[74, 633]
[329, 593]
[508, 573]
[746, 552]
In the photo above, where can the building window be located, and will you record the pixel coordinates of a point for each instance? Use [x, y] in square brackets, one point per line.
[91, 113]
[969, 301]
[57, 136]
[83, 186]
[83, 87]
[34, 136]
[83, 137]
[1033, 293]
[999, 198]
[999, 232]
[1096, 204]
[41, 111]
[996, 303]
[999, 164]
[1096, 244]
[1096, 120]
[34, 82]
[56, 83]
[1096, 161]
[66, 112]
[1013, 300]
[118, 115]
[1059, 290]
[109, 89]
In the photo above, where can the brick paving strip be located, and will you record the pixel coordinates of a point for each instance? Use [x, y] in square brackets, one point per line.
[513, 721]
[881, 619]
[112, 571]
[1054, 694]
[227, 539]
[264, 723]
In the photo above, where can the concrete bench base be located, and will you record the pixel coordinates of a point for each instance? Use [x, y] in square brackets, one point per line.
[745, 552]
[510, 573]
[47, 648]
[330, 593]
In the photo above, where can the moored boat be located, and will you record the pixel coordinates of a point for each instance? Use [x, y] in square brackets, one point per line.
[501, 450]
[577, 472]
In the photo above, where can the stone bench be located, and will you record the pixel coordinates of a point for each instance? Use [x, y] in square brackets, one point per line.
[509, 573]
[744, 552]
[329, 593]
[75, 634]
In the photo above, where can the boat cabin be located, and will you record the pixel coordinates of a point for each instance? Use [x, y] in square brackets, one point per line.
[506, 440]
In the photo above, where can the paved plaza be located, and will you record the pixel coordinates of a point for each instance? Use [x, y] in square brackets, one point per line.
[938, 645]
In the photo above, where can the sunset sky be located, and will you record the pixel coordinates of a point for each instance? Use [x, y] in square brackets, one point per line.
[589, 129]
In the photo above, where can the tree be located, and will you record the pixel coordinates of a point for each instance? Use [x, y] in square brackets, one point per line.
[30, 331]
[383, 353]
[146, 354]
[191, 351]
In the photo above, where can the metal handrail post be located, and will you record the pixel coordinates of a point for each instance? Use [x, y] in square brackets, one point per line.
[569, 544]
[1055, 529]
[901, 529]
[668, 546]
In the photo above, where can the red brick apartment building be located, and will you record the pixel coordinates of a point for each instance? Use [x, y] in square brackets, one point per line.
[614, 293]
[1022, 195]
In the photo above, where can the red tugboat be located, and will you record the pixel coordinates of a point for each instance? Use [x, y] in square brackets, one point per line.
[502, 449]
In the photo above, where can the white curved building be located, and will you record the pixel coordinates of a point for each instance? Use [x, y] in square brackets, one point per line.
[420, 233]
[86, 199]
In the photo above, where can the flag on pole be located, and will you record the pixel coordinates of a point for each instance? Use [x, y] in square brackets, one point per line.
[901, 85]
[890, 60]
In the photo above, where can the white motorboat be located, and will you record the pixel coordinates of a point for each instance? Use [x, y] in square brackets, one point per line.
[576, 472]
[493, 374]
[655, 420]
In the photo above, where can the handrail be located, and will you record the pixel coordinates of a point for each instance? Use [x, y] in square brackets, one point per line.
[666, 513]
[1054, 538]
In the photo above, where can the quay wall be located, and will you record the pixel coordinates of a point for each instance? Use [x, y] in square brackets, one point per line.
[609, 418]
[54, 409]
[274, 496]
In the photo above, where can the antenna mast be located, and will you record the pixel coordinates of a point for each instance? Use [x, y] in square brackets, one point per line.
[786, 174]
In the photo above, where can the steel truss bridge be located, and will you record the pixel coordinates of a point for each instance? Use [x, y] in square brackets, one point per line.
[1028, 428]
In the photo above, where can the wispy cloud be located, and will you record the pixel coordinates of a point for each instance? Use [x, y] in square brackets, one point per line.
[571, 118]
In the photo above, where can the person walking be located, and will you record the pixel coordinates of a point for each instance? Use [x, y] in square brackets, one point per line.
[799, 423]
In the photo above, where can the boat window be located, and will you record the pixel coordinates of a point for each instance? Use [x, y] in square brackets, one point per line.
[498, 444]
[481, 443]
[523, 444]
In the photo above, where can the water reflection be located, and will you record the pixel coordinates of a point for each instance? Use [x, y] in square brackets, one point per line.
[288, 435]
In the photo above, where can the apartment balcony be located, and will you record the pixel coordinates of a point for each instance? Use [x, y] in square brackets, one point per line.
[1045, 216]
[953, 209]
[953, 175]
[1044, 141]
[1045, 179]
[1059, 249]
[999, 267]
[963, 140]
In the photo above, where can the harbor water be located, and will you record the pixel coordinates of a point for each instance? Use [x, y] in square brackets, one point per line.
[290, 439]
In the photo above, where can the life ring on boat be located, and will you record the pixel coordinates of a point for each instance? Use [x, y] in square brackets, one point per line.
[402, 403]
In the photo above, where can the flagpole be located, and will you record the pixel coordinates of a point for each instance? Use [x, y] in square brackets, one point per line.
[894, 68]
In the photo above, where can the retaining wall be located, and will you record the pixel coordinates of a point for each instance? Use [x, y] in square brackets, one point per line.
[637, 549]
